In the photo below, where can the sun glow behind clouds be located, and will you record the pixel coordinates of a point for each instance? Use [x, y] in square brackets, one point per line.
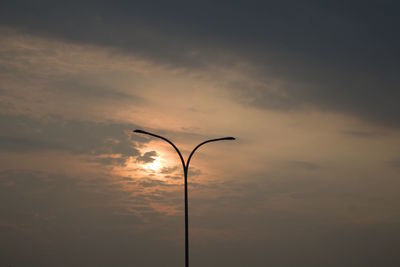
[155, 165]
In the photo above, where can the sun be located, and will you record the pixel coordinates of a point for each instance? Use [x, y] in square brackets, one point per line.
[155, 165]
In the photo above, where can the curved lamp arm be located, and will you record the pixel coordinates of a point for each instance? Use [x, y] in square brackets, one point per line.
[166, 140]
[185, 166]
[203, 143]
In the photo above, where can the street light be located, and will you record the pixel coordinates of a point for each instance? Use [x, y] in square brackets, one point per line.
[185, 172]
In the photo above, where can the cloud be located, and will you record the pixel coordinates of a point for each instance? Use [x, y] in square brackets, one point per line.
[24, 134]
[168, 169]
[149, 183]
[364, 134]
[147, 157]
[194, 172]
[75, 86]
[75, 81]
[335, 57]
[50, 213]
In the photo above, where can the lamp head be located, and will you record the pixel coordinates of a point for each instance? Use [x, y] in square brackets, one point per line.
[140, 131]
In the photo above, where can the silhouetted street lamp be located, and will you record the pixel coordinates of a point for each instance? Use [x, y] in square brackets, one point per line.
[185, 172]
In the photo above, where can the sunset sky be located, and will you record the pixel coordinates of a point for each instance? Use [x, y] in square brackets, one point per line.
[310, 90]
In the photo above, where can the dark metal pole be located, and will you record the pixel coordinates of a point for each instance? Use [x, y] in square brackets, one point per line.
[185, 173]
[186, 219]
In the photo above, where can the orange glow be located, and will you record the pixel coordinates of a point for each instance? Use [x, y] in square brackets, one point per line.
[155, 166]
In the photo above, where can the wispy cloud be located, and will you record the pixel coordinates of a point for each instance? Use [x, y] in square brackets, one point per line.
[297, 63]
[147, 157]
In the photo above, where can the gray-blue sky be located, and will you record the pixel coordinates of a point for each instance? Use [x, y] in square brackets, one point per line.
[340, 57]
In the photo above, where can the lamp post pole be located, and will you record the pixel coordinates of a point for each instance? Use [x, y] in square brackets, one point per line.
[185, 167]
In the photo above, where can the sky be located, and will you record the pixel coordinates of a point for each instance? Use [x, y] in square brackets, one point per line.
[309, 89]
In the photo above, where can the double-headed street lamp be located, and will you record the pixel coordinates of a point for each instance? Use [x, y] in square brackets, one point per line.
[185, 172]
